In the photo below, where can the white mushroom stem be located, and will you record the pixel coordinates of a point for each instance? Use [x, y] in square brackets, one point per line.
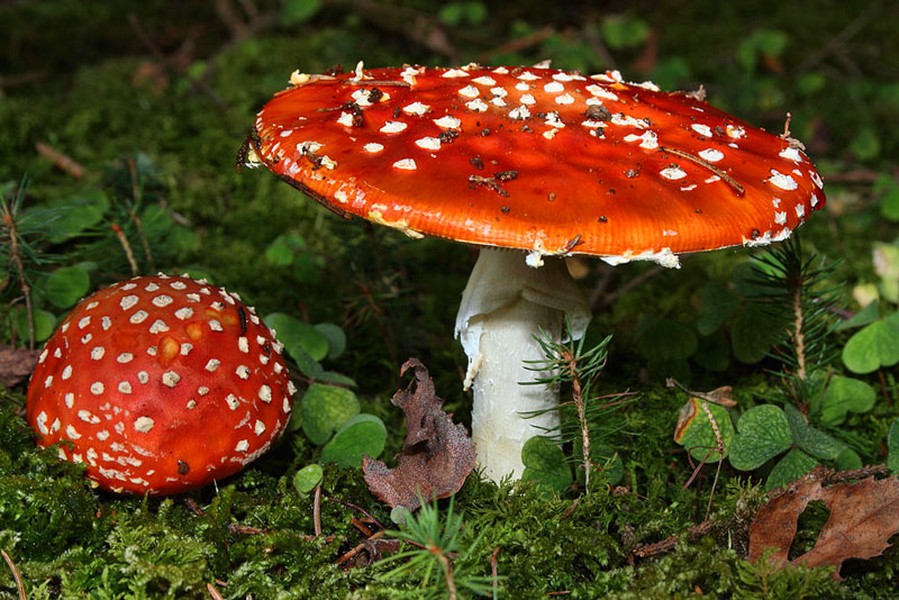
[505, 306]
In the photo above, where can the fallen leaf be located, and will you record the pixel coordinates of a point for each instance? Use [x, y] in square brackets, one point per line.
[863, 517]
[437, 455]
[16, 365]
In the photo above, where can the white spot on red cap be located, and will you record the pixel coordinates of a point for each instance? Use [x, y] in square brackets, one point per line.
[72, 433]
[124, 358]
[212, 364]
[673, 173]
[484, 80]
[259, 427]
[162, 300]
[242, 446]
[143, 377]
[144, 424]
[232, 401]
[735, 131]
[790, 153]
[701, 129]
[373, 147]
[69, 400]
[158, 326]
[447, 122]
[97, 388]
[780, 218]
[405, 164]
[170, 379]
[553, 87]
[528, 76]
[243, 372]
[393, 127]
[416, 108]
[784, 182]
[564, 99]
[124, 387]
[98, 352]
[648, 139]
[139, 317]
[215, 325]
[602, 92]
[66, 372]
[184, 313]
[151, 287]
[128, 301]
[711, 155]
[265, 393]
[477, 105]
[345, 119]
[88, 417]
[243, 344]
[428, 143]
[454, 73]
[800, 210]
[520, 113]
[84, 322]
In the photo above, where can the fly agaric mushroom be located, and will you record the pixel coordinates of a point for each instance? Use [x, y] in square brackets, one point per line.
[537, 159]
[160, 385]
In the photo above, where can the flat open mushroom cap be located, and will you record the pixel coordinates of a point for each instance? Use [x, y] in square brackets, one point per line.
[539, 159]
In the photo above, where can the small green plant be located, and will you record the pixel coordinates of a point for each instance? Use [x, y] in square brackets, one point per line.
[584, 418]
[438, 565]
[792, 289]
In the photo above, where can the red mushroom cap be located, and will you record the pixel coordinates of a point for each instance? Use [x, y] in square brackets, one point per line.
[160, 385]
[535, 158]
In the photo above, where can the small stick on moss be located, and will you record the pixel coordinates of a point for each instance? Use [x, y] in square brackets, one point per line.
[494, 571]
[577, 396]
[126, 246]
[356, 508]
[359, 547]
[443, 559]
[137, 196]
[213, 592]
[317, 511]
[60, 160]
[15, 575]
[719, 448]
[669, 543]
[15, 255]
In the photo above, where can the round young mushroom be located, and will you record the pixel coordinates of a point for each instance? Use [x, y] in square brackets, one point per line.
[537, 159]
[160, 385]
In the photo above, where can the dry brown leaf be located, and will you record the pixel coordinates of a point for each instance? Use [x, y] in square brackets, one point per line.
[863, 517]
[16, 365]
[437, 455]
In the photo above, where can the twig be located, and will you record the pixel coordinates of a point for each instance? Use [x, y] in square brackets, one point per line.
[213, 592]
[494, 571]
[15, 255]
[668, 544]
[62, 161]
[518, 44]
[138, 196]
[847, 33]
[126, 246]
[317, 511]
[577, 396]
[452, 593]
[356, 508]
[15, 575]
[359, 547]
